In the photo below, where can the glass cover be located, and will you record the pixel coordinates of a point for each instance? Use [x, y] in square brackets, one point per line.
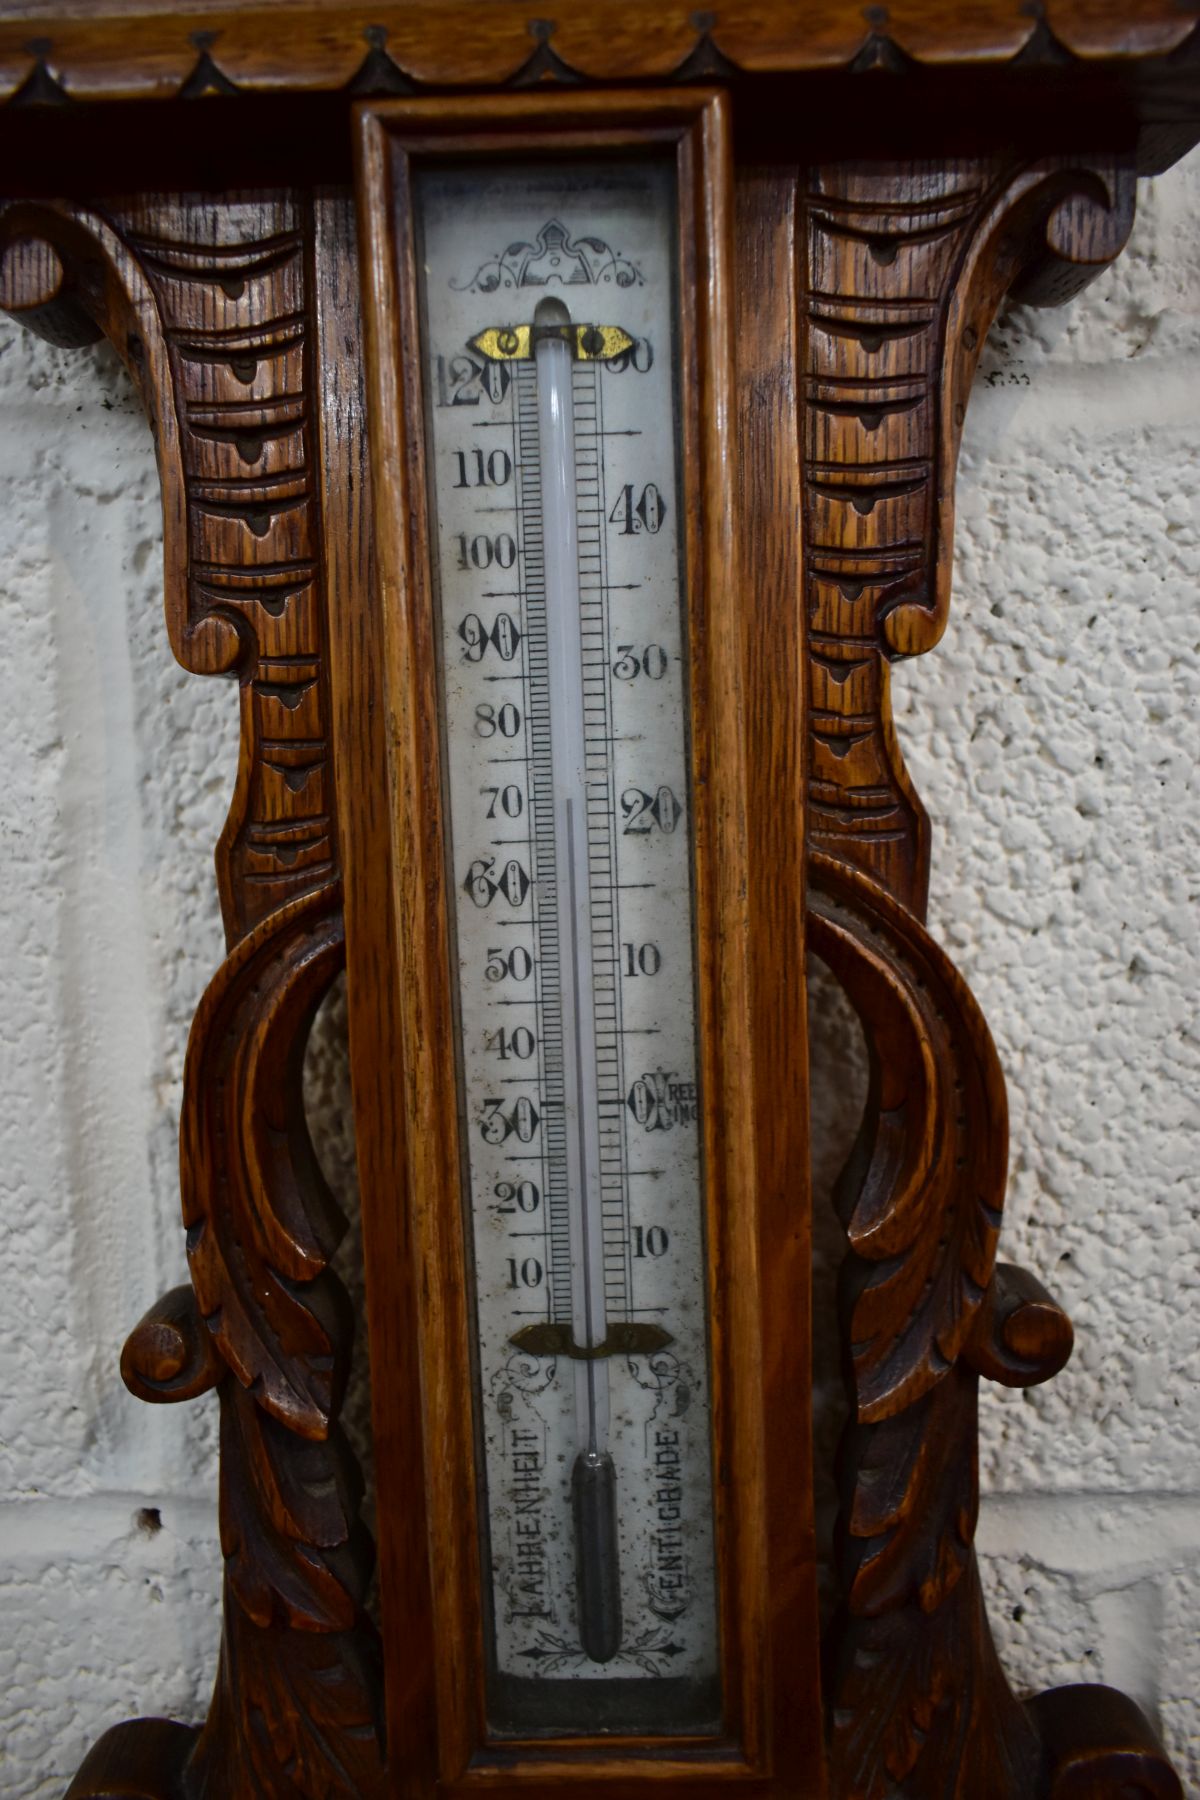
[551, 348]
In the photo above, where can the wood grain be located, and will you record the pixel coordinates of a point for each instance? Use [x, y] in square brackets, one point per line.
[373, 989]
[769, 500]
[696, 125]
[905, 267]
[211, 306]
[50, 49]
[836, 302]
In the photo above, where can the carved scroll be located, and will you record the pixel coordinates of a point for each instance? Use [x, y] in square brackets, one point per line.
[210, 305]
[921, 1705]
[905, 268]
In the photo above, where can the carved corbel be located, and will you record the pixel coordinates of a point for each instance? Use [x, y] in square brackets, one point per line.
[211, 307]
[905, 267]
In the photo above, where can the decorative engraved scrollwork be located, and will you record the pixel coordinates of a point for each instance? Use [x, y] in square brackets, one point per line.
[915, 1679]
[261, 1224]
[922, 1196]
[1021, 1335]
[170, 1354]
[920, 1703]
[554, 258]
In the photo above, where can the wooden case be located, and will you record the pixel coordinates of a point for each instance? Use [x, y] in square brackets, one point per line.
[758, 1614]
[858, 191]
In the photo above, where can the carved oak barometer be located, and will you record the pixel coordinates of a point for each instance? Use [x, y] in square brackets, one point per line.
[557, 425]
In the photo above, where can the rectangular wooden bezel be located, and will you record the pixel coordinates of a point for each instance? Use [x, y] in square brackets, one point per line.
[433, 1611]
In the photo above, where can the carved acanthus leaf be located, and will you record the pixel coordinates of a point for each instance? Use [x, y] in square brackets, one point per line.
[261, 1223]
[293, 1717]
[922, 1196]
[296, 1551]
[920, 1705]
[922, 1710]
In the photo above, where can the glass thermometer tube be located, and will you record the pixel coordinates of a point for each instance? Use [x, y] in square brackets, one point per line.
[593, 1479]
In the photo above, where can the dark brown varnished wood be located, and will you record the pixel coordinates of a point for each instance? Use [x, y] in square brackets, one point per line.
[1096, 1747]
[51, 50]
[744, 1331]
[836, 305]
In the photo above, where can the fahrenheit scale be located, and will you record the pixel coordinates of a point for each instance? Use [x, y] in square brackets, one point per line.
[550, 343]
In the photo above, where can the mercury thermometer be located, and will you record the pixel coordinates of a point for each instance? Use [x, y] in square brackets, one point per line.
[550, 302]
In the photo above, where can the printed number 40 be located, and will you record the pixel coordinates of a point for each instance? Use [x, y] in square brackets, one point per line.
[642, 512]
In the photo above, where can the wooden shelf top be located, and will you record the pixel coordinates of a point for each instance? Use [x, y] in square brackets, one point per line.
[51, 50]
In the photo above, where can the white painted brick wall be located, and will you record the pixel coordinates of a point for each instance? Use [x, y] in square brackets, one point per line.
[1056, 727]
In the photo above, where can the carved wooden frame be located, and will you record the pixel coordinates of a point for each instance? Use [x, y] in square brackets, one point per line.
[238, 319]
[691, 127]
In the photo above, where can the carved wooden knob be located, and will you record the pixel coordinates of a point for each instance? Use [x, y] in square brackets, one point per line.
[31, 275]
[170, 1355]
[1022, 1336]
[36, 289]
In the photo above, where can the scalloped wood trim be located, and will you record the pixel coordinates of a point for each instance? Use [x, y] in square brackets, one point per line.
[57, 51]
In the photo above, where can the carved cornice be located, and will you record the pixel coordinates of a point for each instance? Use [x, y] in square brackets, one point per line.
[57, 52]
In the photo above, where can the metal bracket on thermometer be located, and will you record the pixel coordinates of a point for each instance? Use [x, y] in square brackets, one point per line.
[518, 343]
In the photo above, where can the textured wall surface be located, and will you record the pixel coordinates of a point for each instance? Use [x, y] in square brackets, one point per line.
[1054, 738]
